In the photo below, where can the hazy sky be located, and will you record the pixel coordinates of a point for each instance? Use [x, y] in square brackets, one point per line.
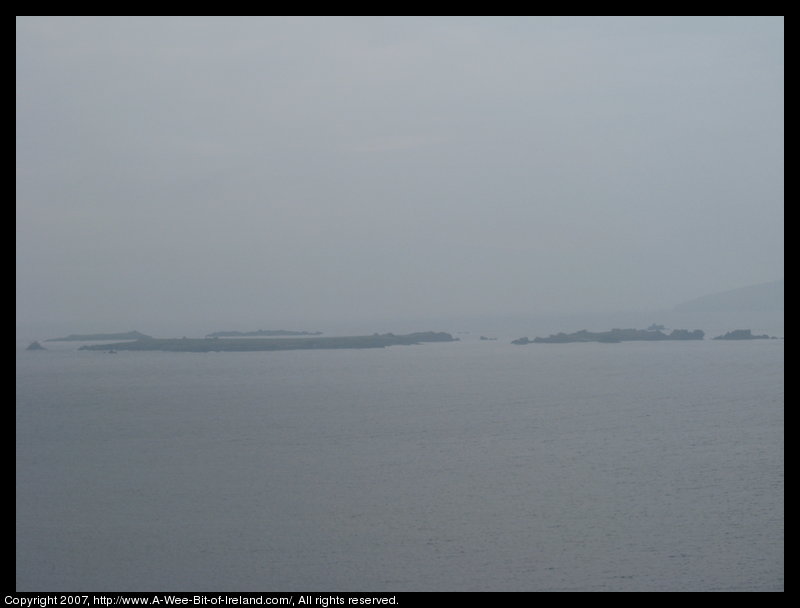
[264, 172]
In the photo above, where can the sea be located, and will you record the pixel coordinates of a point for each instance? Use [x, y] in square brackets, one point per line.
[475, 465]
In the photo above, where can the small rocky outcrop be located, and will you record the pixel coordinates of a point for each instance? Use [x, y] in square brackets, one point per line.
[743, 334]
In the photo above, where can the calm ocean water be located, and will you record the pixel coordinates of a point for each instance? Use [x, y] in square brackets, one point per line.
[469, 466]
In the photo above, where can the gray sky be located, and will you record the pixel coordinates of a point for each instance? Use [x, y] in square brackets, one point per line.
[282, 171]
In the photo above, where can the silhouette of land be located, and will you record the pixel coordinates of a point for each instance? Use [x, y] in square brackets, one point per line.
[743, 334]
[270, 344]
[261, 333]
[130, 335]
[761, 297]
[615, 335]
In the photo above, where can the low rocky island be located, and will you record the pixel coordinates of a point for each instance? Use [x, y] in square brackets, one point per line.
[615, 335]
[270, 344]
[743, 334]
[261, 333]
[35, 346]
[130, 335]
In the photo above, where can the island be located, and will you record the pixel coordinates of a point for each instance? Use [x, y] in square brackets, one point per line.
[130, 335]
[743, 334]
[261, 333]
[273, 344]
[35, 346]
[615, 335]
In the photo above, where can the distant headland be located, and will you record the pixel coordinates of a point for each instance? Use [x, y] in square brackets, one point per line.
[761, 297]
[217, 344]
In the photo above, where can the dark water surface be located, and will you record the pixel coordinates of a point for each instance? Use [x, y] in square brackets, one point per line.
[464, 466]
